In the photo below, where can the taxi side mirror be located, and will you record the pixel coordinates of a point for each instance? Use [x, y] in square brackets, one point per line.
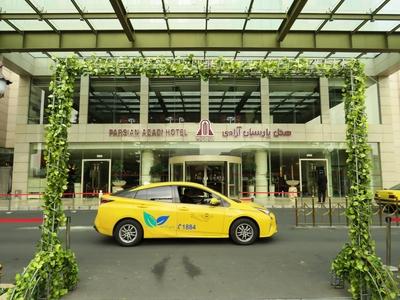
[214, 202]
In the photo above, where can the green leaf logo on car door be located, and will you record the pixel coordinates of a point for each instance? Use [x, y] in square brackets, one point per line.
[153, 222]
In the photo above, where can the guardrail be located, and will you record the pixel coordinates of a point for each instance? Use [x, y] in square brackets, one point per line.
[310, 213]
[34, 201]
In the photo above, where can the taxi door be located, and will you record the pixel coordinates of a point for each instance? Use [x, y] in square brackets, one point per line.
[158, 213]
[201, 220]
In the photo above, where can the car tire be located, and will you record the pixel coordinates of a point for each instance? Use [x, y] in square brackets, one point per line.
[243, 232]
[128, 233]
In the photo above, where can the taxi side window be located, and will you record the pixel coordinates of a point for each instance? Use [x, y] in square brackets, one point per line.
[142, 194]
[125, 194]
[191, 195]
[159, 194]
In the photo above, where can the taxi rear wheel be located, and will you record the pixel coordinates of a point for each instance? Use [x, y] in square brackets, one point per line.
[243, 232]
[128, 233]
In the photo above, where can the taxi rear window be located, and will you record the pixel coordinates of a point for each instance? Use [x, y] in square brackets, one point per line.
[125, 194]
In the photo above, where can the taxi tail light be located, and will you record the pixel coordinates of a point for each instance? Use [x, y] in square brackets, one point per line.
[104, 201]
[392, 196]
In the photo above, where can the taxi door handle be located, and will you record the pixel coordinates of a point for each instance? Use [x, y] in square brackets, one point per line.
[183, 208]
[142, 206]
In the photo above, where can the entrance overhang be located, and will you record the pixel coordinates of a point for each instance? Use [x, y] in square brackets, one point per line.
[200, 41]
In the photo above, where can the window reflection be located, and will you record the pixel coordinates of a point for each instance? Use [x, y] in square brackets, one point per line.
[39, 101]
[114, 100]
[294, 101]
[174, 100]
[235, 101]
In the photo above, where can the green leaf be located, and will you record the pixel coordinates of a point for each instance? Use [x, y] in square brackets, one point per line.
[149, 220]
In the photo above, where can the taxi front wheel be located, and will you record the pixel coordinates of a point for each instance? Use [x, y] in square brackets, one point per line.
[243, 232]
[128, 233]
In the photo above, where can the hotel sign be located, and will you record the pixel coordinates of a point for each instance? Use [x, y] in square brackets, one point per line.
[147, 132]
[251, 132]
[204, 133]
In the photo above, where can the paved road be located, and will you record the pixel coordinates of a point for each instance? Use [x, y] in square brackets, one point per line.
[293, 264]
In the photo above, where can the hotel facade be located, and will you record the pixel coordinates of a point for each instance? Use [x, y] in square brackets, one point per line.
[235, 135]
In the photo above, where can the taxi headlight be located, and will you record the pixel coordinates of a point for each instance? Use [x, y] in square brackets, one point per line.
[264, 210]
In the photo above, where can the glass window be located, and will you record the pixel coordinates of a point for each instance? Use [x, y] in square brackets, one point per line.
[275, 6]
[114, 100]
[70, 25]
[376, 175]
[5, 27]
[187, 24]
[234, 101]
[336, 104]
[185, 5]
[160, 194]
[26, 25]
[391, 7]
[263, 24]
[177, 172]
[359, 6]
[306, 24]
[318, 6]
[106, 24]
[148, 24]
[228, 24]
[39, 100]
[379, 25]
[341, 25]
[125, 194]
[142, 5]
[336, 101]
[295, 100]
[174, 100]
[59, 6]
[372, 103]
[95, 6]
[228, 6]
[142, 194]
[191, 195]
[12, 6]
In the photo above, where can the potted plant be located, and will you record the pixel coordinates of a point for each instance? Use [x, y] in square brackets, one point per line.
[249, 169]
[251, 183]
[117, 170]
[157, 171]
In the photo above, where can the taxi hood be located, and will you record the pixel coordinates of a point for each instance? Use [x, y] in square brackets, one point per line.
[251, 204]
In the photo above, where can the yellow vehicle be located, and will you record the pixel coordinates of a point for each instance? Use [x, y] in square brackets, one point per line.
[180, 210]
[389, 198]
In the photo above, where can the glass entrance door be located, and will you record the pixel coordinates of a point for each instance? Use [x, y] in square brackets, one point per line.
[210, 174]
[211, 171]
[309, 170]
[96, 176]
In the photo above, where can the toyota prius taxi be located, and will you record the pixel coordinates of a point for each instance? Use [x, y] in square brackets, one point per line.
[181, 210]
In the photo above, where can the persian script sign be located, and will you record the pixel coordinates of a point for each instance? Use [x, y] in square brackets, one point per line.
[263, 133]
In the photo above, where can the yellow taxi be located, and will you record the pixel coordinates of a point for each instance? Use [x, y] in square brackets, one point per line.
[389, 198]
[180, 210]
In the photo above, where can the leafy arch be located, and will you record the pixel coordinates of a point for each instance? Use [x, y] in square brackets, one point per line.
[55, 270]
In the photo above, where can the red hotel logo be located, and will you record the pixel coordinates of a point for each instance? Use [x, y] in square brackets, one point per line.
[205, 133]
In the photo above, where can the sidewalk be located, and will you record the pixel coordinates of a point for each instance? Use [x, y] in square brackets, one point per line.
[34, 202]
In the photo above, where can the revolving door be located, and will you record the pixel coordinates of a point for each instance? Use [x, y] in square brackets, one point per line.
[219, 172]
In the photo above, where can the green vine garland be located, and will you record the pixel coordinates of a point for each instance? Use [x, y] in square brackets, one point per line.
[357, 262]
[55, 270]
